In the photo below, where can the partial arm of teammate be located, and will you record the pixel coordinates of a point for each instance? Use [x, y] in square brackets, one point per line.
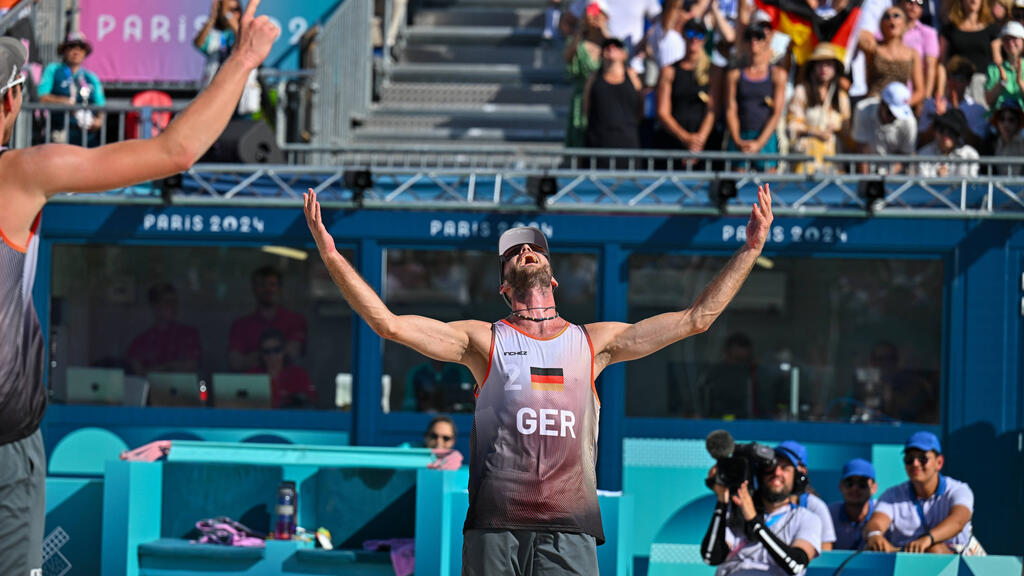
[47, 170]
[466, 341]
[618, 342]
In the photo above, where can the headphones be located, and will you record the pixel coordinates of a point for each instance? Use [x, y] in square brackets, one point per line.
[800, 481]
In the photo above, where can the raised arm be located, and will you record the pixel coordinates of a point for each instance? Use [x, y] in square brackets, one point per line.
[466, 341]
[47, 170]
[618, 342]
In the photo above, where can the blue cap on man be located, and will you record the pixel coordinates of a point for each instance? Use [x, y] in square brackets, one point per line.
[923, 441]
[858, 467]
[794, 451]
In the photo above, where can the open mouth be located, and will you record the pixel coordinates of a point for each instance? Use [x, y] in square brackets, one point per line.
[530, 259]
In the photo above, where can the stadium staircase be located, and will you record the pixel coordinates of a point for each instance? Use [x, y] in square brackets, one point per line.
[469, 73]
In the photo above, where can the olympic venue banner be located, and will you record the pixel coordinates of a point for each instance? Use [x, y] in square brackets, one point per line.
[151, 41]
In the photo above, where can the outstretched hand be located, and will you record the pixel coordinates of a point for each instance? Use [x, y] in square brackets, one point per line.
[760, 219]
[324, 241]
[256, 35]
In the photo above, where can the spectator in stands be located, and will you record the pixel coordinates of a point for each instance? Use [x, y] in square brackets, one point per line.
[761, 532]
[627, 20]
[891, 60]
[754, 97]
[290, 386]
[925, 40]
[686, 109]
[244, 350]
[167, 345]
[216, 39]
[950, 129]
[612, 101]
[663, 44]
[819, 111]
[929, 513]
[807, 497]
[440, 433]
[888, 126]
[1017, 11]
[437, 386]
[1005, 79]
[1008, 142]
[583, 57]
[970, 32]
[958, 79]
[849, 515]
[69, 83]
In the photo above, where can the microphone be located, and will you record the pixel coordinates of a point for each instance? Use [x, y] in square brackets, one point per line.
[720, 444]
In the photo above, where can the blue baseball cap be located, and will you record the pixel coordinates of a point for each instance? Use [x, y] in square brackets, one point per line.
[794, 451]
[858, 467]
[923, 441]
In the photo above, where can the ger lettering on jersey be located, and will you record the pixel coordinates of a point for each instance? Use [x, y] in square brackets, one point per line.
[533, 447]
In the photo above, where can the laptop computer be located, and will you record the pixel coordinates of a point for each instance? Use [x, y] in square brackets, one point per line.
[173, 389]
[94, 385]
[241, 391]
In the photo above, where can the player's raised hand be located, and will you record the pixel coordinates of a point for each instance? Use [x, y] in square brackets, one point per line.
[760, 219]
[255, 36]
[324, 240]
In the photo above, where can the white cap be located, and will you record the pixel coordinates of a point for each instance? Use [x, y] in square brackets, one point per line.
[896, 96]
[1013, 29]
[521, 235]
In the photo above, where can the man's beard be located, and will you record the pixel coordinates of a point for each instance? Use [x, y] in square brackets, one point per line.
[524, 279]
[775, 497]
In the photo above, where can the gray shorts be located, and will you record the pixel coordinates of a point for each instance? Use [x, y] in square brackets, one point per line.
[22, 506]
[527, 553]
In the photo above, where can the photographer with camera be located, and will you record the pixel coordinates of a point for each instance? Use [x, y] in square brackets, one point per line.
[759, 531]
[807, 497]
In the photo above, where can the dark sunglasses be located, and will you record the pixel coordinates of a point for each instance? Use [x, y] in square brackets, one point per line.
[856, 482]
[915, 2]
[694, 35]
[445, 438]
[513, 251]
[922, 459]
[755, 35]
[273, 350]
[892, 16]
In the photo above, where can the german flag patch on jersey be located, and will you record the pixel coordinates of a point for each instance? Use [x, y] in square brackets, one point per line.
[547, 379]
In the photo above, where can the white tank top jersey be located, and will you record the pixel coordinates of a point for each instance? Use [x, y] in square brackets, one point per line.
[533, 449]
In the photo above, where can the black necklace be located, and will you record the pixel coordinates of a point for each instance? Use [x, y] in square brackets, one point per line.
[518, 315]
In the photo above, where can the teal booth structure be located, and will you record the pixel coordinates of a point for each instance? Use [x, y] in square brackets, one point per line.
[359, 494]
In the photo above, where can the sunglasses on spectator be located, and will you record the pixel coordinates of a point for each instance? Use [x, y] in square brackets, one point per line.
[694, 35]
[755, 35]
[273, 349]
[858, 482]
[922, 459]
[442, 437]
[892, 16]
[915, 2]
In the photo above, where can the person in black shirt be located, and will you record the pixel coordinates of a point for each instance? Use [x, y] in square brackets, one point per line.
[612, 101]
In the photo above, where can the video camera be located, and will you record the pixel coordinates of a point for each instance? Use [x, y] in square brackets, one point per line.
[737, 463]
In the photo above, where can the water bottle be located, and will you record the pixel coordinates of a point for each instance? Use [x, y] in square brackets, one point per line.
[284, 528]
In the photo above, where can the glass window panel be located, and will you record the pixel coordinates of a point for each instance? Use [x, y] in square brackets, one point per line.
[806, 339]
[156, 325]
[453, 285]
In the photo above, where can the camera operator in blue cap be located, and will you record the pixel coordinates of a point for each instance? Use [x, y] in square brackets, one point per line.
[804, 495]
[849, 515]
[929, 513]
[762, 532]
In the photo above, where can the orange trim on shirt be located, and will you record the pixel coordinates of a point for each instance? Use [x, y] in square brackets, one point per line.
[593, 386]
[31, 232]
[560, 332]
[490, 359]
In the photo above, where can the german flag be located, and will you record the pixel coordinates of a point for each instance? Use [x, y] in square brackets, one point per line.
[547, 379]
[797, 19]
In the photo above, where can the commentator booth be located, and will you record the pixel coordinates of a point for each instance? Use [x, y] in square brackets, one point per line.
[840, 312]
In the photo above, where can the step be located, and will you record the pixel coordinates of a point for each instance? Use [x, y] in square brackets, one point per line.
[527, 57]
[475, 35]
[456, 122]
[474, 112]
[492, 93]
[481, 136]
[484, 73]
[481, 16]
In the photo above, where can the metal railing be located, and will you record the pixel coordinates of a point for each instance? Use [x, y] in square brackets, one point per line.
[48, 123]
[344, 72]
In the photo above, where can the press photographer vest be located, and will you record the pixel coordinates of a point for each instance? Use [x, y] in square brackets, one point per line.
[533, 449]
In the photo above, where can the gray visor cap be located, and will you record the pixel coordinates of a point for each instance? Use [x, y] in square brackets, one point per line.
[12, 58]
[521, 235]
